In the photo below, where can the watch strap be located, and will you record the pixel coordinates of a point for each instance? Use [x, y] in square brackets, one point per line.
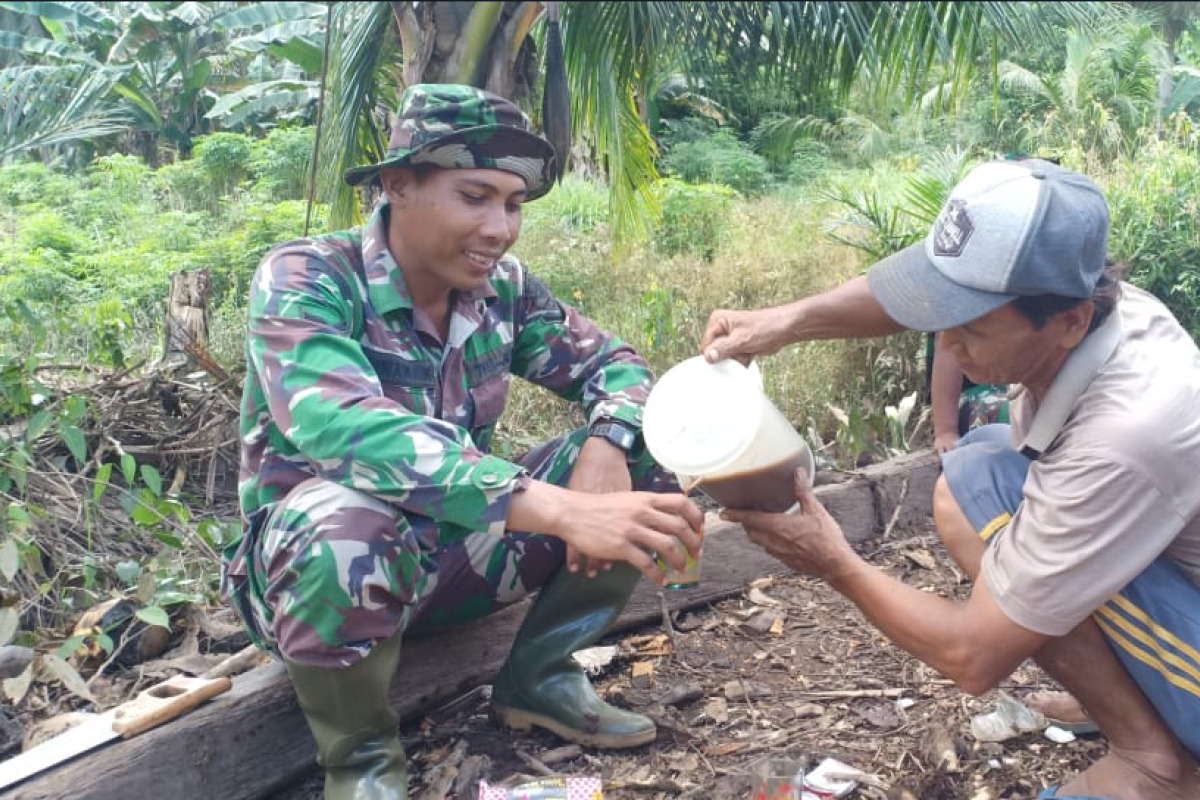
[617, 433]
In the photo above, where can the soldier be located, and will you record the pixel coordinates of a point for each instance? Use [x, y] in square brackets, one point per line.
[379, 360]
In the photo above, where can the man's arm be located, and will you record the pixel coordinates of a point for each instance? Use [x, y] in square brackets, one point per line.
[848, 311]
[972, 643]
[945, 389]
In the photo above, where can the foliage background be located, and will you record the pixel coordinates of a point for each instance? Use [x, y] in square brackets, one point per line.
[756, 195]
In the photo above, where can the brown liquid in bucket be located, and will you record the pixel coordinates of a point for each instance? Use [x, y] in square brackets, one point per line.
[771, 488]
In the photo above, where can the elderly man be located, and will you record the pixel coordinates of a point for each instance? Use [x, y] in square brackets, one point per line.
[378, 363]
[1080, 523]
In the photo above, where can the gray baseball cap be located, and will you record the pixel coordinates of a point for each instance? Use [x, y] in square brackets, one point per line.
[1009, 229]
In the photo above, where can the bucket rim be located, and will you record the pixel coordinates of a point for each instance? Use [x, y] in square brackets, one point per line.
[659, 423]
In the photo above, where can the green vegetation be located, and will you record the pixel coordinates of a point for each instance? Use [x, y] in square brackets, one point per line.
[151, 139]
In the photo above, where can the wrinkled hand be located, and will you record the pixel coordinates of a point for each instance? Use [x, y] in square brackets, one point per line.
[945, 442]
[808, 540]
[600, 468]
[743, 334]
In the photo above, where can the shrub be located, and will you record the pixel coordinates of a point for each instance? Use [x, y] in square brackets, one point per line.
[720, 158]
[224, 159]
[579, 205]
[695, 218]
[1156, 227]
[35, 184]
[182, 186]
[280, 163]
[810, 160]
[49, 230]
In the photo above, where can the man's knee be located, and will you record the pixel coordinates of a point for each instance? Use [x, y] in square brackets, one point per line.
[956, 531]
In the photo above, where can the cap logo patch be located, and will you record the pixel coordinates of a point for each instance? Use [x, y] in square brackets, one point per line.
[952, 230]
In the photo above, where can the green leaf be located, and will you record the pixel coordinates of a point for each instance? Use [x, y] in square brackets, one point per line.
[144, 513]
[38, 424]
[154, 615]
[70, 645]
[169, 539]
[152, 478]
[67, 674]
[105, 642]
[128, 468]
[80, 15]
[261, 14]
[198, 76]
[73, 437]
[18, 518]
[10, 559]
[170, 598]
[300, 51]
[128, 571]
[103, 475]
[8, 624]
[146, 587]
[75, 409]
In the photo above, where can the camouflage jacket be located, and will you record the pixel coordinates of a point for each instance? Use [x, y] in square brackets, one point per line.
[343, 383]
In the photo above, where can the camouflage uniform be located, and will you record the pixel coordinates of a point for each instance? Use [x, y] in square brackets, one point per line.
[369, 497]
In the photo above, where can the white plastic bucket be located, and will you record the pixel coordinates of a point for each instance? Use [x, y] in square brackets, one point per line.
[715, 428]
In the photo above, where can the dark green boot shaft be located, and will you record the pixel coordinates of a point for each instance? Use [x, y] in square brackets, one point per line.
[541, 684]
[355, 726]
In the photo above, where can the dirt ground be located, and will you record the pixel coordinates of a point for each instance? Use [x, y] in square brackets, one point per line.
[788, 670]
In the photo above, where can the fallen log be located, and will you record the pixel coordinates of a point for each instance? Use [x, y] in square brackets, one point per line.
[253, 740]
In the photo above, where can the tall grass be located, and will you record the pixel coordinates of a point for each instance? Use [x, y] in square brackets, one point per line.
[777, 250]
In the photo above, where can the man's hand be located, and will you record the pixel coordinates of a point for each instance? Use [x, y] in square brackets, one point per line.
[612, 526]
[945, 441]
[846, 311]
[809, 540]
[743, 334]
[631, 526]
[601, 468]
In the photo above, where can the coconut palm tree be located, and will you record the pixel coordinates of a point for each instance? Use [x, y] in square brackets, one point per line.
[617, 53]
[1104, 95]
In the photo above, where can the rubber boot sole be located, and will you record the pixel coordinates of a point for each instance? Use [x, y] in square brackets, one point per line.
[521, 720]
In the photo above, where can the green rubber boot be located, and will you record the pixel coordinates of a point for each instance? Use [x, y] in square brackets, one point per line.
[540, 684]
[355, 726]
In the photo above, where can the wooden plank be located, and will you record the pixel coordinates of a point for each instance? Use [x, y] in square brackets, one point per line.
[253, 740]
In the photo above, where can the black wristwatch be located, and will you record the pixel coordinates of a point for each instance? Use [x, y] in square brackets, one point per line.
[617, 433]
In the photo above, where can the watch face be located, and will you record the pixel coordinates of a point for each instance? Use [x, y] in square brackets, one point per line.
[616, 433]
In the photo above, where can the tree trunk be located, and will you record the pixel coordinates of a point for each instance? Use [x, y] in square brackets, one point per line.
[186, 325]
[474, 43]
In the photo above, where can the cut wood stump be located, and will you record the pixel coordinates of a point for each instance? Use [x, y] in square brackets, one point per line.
[253, 740]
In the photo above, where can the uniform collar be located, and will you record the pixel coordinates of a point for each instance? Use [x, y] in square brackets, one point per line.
[1070, 383]
[385, 280]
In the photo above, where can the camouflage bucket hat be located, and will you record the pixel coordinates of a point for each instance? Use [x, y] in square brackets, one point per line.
[455, 126]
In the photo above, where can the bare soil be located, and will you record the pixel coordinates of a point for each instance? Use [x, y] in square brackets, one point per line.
[788, 670]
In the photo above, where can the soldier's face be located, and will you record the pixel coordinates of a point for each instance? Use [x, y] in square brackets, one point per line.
[453, 224]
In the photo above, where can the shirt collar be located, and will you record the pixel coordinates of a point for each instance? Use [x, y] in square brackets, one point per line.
[1069, 385]
[385, 280]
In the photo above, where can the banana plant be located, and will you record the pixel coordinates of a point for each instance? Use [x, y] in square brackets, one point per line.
[170, 60]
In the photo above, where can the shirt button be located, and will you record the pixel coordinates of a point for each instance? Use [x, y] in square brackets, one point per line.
[489, 478]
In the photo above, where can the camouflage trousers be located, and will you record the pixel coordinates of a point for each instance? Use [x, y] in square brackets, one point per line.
[331, 570]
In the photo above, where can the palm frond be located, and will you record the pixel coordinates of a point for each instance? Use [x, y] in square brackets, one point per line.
[356, 87]
[610, 51]
[50, 106]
